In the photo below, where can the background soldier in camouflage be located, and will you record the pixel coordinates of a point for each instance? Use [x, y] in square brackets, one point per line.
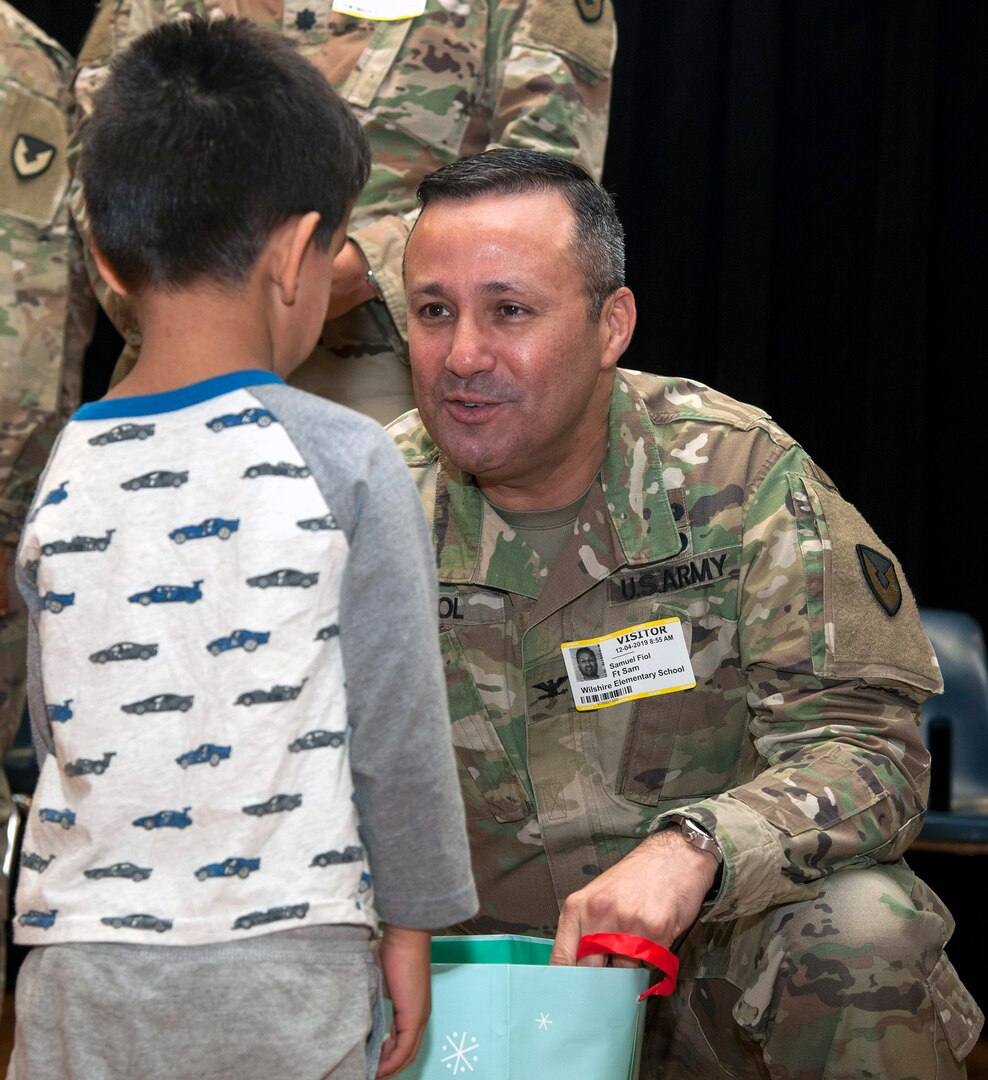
[757, 822]
[46, 319]
[451, 81]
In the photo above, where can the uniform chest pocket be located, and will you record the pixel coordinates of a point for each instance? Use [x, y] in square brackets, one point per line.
[489, 782]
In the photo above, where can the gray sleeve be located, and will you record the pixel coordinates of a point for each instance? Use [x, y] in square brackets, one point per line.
[402, 759]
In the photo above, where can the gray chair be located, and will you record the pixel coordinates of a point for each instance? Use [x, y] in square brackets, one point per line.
[955, 730]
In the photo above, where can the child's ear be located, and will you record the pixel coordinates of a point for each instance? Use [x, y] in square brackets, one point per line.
[106, 271]
[294, 243]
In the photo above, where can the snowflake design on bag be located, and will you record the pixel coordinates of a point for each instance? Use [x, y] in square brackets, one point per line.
[457, 1060]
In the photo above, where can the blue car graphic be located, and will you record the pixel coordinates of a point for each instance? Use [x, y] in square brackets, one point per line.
[275, 805]
[55, 601]
[276, 693]
[248, 640]
[158, 478]
[160, 703]
[44, 919]
[351, 853]
[84, 766]
[123, 432]
[124, 650]
[56, 495]
[78, 543]
[58, 714]
[231, 867]
[324, 633]
[281, 468]
[168, 594]
[206, 752]
[285, 577]
[317, 523]
[165, 819]
[261, 417]
[65, 818]
[33, 860]
[120, 870]
[223, 528]
[312, 740]
[137, 922]
[275, 914]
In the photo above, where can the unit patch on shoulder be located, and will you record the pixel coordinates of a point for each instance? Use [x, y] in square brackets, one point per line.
[879, 573]
[590, 10]
[31, 156]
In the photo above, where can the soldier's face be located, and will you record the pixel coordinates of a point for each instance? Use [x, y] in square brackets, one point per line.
[587, 663]
[511, 379]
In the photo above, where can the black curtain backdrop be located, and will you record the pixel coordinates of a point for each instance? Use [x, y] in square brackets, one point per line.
[802, 183]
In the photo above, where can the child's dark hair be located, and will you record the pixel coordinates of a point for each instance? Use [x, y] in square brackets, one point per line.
[206, 137]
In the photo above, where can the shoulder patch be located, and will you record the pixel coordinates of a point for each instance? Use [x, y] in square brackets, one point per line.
[581, 29]
[33, 138]
[879, 572]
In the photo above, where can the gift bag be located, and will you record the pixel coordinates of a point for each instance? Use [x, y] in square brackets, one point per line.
[499, 1012]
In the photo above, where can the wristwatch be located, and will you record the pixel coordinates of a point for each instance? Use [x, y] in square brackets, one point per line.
[695, 835]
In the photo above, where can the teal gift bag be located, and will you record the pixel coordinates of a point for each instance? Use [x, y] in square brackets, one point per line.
[499, 1012]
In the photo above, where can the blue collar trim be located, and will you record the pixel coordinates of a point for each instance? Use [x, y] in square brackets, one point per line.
[170, 400]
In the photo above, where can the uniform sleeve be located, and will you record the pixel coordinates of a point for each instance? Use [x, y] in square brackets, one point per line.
[837, 665]
[548, 77]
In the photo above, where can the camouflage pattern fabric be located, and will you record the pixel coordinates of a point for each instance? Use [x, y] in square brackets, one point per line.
[453, 81]
[799, 747]
[46, 312]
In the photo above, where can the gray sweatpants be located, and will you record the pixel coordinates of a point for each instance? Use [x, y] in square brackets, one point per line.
[273, 1008]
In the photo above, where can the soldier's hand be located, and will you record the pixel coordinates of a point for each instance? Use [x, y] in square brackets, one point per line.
[350, 284]
[654, 892]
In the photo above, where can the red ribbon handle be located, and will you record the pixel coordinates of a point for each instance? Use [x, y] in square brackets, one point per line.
[637, 948]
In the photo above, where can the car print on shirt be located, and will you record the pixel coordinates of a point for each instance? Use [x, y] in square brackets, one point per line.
[324, 633]
[33, 860]
[281, 468]
[168, 594]
[120, 870]
[65, 818]
[58, 714]
[160, 703]
[78, 543]
[248, 640]
[165, 819]
[223, 528]
[261, 417]
[232, 867]
[122, 433]
[124, 650]
[274, 914]
[55, 601]
[285, 577]
[276, 693]
[275, 805]
[351, 853]
[55, 496]
[327, 521]
[158, 478]
[312, 740]
[43, 919]
[137, 922]
[205, 753]
[84, 766]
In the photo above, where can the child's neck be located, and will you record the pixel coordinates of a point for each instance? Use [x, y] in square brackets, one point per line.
[191, 336]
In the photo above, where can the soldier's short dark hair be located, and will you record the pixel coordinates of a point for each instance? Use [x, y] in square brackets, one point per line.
[207, 136]
[598, 238]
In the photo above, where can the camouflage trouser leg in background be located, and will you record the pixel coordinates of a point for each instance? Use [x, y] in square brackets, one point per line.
[851, 984]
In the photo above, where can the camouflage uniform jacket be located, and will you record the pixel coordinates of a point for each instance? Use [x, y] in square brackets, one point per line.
[799, 746]
[451, 82]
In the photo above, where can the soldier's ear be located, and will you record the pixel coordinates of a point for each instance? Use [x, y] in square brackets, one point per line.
[106, 271]
[617, 324]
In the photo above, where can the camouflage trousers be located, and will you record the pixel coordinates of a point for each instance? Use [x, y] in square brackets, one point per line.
[851, 984]
[359, 362]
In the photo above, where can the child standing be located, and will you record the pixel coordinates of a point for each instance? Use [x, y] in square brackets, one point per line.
[240, 718]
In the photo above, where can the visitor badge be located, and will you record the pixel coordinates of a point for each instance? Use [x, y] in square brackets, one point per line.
[638, 661]
[383, 10]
